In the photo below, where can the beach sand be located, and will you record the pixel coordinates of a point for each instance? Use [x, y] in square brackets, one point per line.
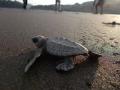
[17, 27]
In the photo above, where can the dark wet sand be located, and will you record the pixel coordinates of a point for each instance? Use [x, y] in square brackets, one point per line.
[18, 26]
[100, 75]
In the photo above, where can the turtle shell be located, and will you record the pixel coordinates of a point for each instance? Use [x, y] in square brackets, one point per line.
[63, 47]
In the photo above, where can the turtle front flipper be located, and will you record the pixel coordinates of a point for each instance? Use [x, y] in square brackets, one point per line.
[66, 65]
[37, 54]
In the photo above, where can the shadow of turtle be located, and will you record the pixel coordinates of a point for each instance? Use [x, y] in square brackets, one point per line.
[43, 75]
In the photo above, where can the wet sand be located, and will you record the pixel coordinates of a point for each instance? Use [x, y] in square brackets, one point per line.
[18, 26]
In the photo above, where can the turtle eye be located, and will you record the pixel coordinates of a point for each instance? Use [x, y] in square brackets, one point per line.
[35, 40]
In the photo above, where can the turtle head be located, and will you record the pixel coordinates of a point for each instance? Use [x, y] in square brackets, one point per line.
[39, 41]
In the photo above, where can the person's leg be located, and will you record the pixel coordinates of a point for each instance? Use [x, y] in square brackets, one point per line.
[59, 6]
[101, 9]
[24, 4]
[56, 5]
[96, 9]
[102, 5]
[93, 7]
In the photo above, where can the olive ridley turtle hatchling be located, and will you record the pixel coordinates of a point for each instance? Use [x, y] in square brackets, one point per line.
[73, 53]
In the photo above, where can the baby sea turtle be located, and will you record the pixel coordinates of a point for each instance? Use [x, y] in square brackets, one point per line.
[73, 53]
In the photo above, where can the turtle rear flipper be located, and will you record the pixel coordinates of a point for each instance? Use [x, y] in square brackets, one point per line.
[67, 65]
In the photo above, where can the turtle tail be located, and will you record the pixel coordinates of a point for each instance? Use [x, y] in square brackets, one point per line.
[93, 57]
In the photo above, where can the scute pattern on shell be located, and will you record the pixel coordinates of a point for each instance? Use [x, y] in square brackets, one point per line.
[64, 47]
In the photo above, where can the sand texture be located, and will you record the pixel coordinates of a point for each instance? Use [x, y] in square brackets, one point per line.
[16, 48]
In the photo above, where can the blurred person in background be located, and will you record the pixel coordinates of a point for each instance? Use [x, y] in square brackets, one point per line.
[58, 5]
[25, 4]
[98, 3]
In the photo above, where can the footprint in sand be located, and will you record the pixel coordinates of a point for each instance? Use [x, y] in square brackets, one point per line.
[112, 38]
[115, 54]
[113, 46]
[116, 42]
[103, 33]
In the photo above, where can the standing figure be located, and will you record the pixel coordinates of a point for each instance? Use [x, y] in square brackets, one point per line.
[98, 3]
[58, 5]
[24, 4]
